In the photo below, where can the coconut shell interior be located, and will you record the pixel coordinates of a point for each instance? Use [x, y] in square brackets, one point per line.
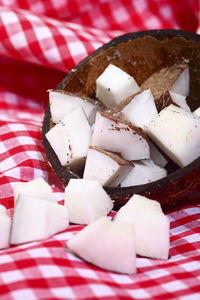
[140, 54]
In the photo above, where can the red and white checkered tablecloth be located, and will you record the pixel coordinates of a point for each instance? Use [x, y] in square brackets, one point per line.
[40, 41]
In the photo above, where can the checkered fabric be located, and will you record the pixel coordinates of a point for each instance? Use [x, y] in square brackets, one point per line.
[40, 41]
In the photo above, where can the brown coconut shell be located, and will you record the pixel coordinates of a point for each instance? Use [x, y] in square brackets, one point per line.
[140, 54]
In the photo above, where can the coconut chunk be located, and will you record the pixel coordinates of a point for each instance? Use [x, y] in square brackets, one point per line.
[171, 98]
[150, 224]
[138, 109]
[119, 136]
[106, 244]
[70, 139]
[36, 219]
[106, 167]
[5, 225]
[86, 201]
[177, 133]
[197, 112]
[62, 102]
[36, 188]
[115, 85]
[180, 100]
[175, 78]
[144, 171]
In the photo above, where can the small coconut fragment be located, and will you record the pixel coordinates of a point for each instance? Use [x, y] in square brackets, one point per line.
[36, 188]
[144, 171]
[119, 136]
[62, 102]
[86, 201]
[36, 219]
[197, 112]
[150, 224]
[5, 225]
[106, 244]
[115, 85]
[106, 167]
[138, 109]
[158, 157]
[177, 133]
[70, 139]
[175, 79]
[171, 98]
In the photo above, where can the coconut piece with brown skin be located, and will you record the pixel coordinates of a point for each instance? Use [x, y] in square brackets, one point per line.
[174, 78]
[138, 109]
[119, 136]
[171, 98]
[106, 167]
[62, 102]
[177, 133]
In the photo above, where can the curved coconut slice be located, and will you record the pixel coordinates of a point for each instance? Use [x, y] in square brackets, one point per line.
[86, 201]
[144, 171]
[119, 136]
[174, 78]
[70, 139]
[36, 188]
[197, 112]
[36, 219]
[138, 109]
[5, 225]
[177, 133]
[150, 224]
[62, 102]
[106, 244]
[106, 167]
[115, 85]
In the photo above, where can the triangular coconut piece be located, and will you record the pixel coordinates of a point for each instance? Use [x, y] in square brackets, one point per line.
[144, 171]
[36, 219]
[150, 224]
[115, 85]
[177, 133]
[70, 139]
[106, 167]
[38, 188]
[138, 109]
[86, 201]
[62, 102]
[5, 225]
[119, 136]
[106, 244]
[175, 78]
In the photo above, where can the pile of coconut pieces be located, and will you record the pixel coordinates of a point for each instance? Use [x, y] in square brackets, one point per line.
[138, 228]
[129, 134]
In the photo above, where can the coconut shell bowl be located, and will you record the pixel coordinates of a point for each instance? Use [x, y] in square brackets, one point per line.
[140, 54]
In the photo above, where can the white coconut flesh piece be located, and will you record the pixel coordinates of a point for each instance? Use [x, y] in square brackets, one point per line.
[106, 244]
[175, 79]
[106, 167]
[180, 100]
[138, 109]
[177, 133]
[119, 136]
[150, 224]
[86, 201]
[70, 139]
[157, 155]
[115, 85]
[197, 112]
[36, 219]
[144, 171]
[62, 103]
[5, 225]
[36, 188]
